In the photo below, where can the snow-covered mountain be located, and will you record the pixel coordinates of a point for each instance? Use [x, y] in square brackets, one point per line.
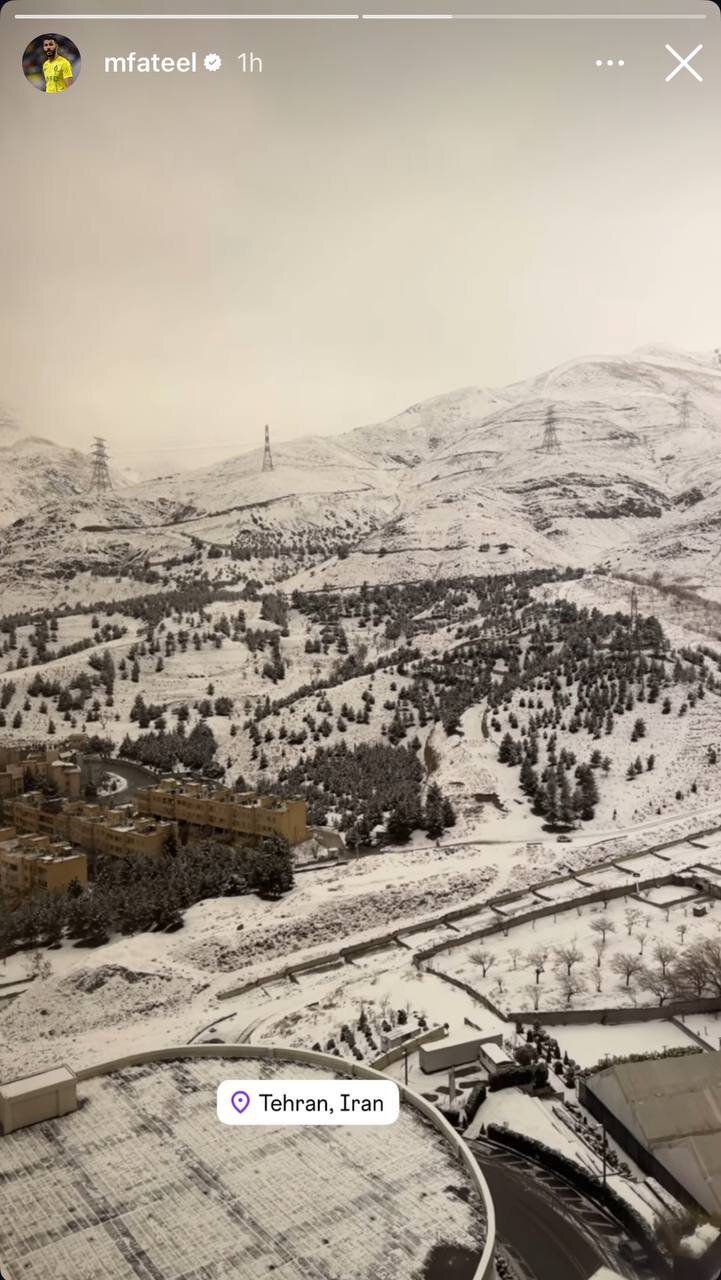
[36, 473]
[464, 482]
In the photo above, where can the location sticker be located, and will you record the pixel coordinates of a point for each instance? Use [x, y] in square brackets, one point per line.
[275, 1102]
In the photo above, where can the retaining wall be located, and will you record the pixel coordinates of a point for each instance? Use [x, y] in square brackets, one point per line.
[614, 1016]
[540, 912]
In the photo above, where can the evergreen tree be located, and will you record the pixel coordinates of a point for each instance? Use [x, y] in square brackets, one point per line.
[448, 813]
[528, 777]
[434, 811]
[552, 802]
[565, 805]
[399, 824]
[271, 868]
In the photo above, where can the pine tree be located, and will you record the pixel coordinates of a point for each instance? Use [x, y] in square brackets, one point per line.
[448, 813]
[589, 791]
[528, 777]
[433, 817]
[399, 824]
[552, 803]
[540, 799]
[565, 807]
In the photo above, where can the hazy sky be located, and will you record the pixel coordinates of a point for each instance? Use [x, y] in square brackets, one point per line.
[390, 210]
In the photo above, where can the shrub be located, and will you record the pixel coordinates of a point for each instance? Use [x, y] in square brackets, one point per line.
[509, 1076]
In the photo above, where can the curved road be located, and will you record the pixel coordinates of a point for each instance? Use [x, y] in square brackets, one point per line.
[135, 775]
[553, 1230]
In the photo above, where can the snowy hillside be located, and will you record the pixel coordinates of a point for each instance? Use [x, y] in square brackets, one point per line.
[609, 461]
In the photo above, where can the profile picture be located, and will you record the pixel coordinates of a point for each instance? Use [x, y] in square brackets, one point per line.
[51, 63]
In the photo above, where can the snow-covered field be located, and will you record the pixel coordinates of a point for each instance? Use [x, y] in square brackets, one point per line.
[587, 1045]
[225, 942]
[568, 960]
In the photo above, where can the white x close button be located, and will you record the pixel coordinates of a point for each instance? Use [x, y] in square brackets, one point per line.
[684, 63]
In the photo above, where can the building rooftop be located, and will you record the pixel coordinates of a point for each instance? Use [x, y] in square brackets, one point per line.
[38, 853]
[41, 1080]
[496, 1053]
[144, 1181]
[676, 1103]
[193, 789]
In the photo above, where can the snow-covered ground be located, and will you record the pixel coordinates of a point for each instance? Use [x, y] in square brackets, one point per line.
[527, 966]
[587, 1045]
[225, 942]
[707, 1026]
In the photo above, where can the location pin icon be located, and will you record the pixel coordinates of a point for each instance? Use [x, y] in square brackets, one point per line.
[240, 1101]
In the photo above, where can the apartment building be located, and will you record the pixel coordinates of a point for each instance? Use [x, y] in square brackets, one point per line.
[43, 765]
[230, 812]
[119, 832]
[31, 864]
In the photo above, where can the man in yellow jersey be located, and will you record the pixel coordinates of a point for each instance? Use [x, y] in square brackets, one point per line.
[57, 70]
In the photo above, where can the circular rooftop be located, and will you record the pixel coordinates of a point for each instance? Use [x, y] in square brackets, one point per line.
[143, 1182]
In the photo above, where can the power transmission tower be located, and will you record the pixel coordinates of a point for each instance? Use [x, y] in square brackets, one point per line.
[100, 481]
[267, 455]
[550, 442]
[684, 405]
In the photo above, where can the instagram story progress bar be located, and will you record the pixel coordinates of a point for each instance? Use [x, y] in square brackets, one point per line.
[361, 17]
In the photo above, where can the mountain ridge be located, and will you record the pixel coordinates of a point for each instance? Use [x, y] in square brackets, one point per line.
[462, 482]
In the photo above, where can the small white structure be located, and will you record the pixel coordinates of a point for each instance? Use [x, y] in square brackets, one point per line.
[398, 1036]
[494, 1058]
[454, 1052]
[44, 1096]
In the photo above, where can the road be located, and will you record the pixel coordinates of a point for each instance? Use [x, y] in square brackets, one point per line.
[554, 1231]
[135, 775]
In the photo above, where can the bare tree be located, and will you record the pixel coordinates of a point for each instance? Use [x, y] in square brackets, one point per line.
[537, 959]
[603, 925]
[534, 993]
[626, 965]
[659, 983]
[631, 915]
[571, 984]
[484, 958]
[712, 956]
[641, 940]
[664, 953]
[569, 955]
[599, 947]
[515, 953]
[698, 969]
[681, 930]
